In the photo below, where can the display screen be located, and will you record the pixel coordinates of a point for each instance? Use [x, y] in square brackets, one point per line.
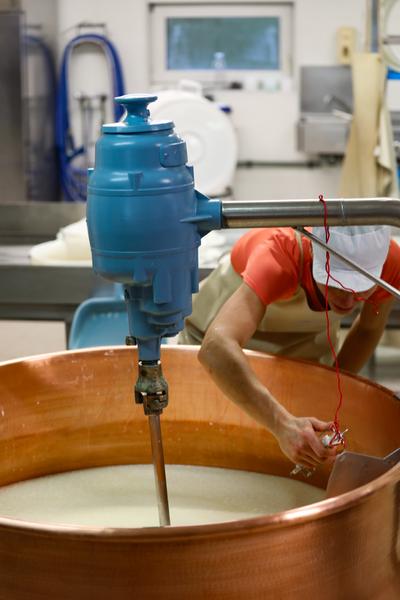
[249, 43]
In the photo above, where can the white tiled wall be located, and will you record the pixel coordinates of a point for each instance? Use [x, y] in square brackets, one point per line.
[25, 338]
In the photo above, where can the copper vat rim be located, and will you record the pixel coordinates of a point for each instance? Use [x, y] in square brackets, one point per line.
[260, 524]
[193, 349]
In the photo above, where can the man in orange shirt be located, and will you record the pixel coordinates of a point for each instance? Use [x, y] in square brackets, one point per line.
[268, 295]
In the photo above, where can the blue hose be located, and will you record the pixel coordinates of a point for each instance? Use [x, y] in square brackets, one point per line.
[73, 179]
[35, 41]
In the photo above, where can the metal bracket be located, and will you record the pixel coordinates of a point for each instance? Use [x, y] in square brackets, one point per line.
[151, 388]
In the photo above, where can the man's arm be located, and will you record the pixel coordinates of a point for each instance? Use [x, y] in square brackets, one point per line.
[364, 336]
[221, 354]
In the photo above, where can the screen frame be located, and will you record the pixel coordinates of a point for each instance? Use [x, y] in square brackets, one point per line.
[160, 74]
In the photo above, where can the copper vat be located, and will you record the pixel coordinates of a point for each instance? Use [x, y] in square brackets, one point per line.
[75, 410]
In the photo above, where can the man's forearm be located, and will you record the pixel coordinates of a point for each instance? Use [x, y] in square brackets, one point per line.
[229, 368]
[357, 348]
[297, 436]
[364, 336]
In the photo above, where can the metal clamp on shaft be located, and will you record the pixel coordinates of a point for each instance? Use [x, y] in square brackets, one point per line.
[151, 388]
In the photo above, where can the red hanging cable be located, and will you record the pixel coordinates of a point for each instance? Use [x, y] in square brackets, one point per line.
[328, 326]
[336, 426]
[357, 297]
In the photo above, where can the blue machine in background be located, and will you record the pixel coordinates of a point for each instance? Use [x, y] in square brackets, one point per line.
[100, 320]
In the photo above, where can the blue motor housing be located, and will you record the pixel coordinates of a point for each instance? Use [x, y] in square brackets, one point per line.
[145, 221]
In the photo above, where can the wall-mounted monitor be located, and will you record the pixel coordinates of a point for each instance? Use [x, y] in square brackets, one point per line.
[245, 40]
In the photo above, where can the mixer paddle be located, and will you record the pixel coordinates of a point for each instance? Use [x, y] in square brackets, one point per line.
[351, 470]
[151, 390]
[159, 470]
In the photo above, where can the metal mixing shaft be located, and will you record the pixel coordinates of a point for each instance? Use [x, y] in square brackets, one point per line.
[159, 470]
[151, 390]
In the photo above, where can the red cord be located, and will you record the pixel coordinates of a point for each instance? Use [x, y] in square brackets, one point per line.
[336, 426]
[358, 298]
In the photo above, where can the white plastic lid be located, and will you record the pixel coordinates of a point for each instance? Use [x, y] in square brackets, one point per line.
[71, 248]
[209, 135]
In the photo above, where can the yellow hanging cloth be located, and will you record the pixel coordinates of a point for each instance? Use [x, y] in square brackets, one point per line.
[369, 167]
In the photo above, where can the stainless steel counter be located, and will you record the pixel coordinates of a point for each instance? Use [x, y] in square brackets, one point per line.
[32, 292]
[35, 292]
[35, 222]
[43, 293]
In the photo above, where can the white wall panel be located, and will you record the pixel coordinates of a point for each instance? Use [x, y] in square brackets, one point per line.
[265, 121]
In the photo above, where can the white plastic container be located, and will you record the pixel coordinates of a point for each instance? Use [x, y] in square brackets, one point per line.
[209, 135]
[70, 248]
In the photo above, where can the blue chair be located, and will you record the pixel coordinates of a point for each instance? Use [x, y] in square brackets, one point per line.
[100, 322]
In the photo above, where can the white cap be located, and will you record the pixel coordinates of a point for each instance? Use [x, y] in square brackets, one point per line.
[367, 246]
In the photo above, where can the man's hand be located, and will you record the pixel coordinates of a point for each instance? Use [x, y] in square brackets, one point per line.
[298, 439]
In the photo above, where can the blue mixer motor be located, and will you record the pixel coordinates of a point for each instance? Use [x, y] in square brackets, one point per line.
[146, 220]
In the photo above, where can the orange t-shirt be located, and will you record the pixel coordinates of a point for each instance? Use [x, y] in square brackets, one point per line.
[269, 261]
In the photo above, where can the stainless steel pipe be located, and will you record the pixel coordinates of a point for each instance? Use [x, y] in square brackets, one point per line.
[293, 213]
